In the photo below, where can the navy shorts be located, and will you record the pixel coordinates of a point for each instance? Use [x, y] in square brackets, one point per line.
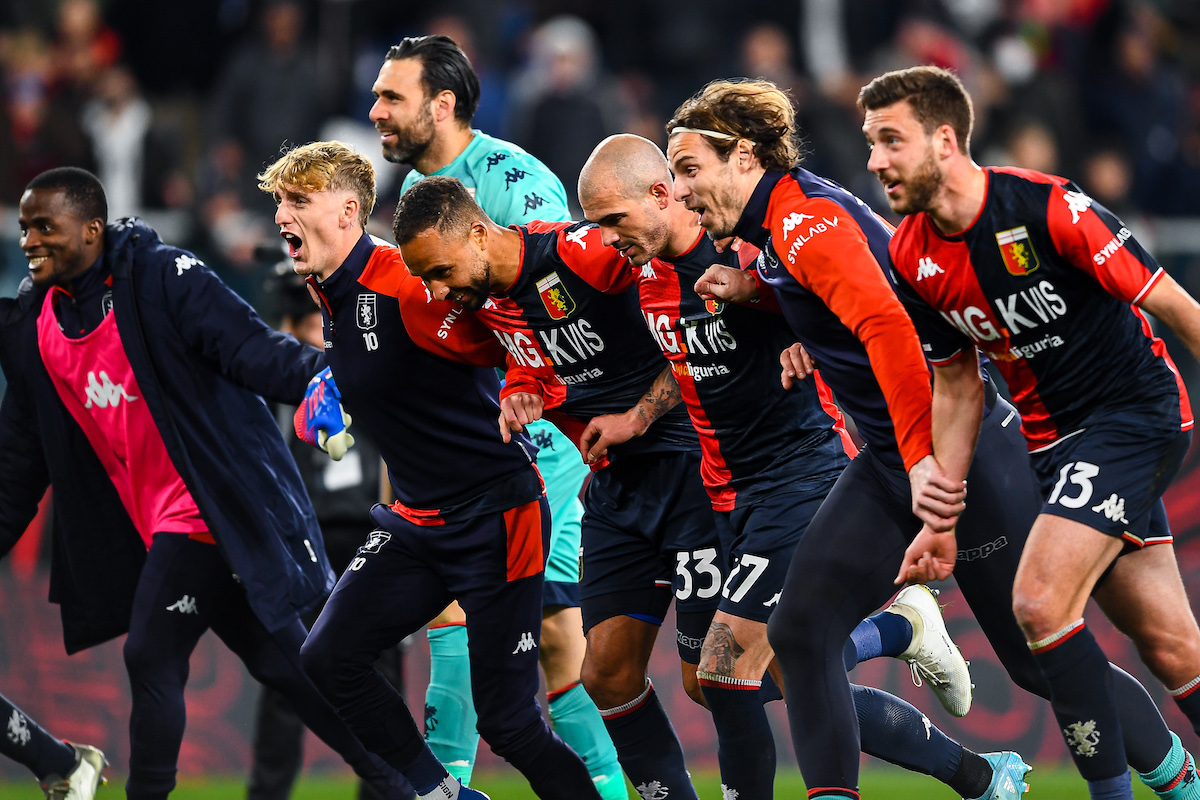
[1112, 474]
[649, 531]
[760, 539]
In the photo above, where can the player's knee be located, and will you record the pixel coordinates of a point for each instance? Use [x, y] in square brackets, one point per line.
[144, 661]
[321, 663]
[1037, 613]
[610, 682]
[790, 633]
[1174, 659]
[511, 733]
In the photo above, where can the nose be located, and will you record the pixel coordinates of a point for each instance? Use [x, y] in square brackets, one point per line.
[377, 113]
[682, 190]
[439, 290]
[282, 214]
[877, 160]
[28, 239]
[608, 236]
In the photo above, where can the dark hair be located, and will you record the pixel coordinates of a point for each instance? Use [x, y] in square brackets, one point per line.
[84, 192]
[936, 95]
[444, 66]
[757, 110]
[437, 202]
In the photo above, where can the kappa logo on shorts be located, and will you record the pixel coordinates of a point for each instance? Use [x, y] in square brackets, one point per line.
[1113, 508]
[375, 541]
[690, 642]
[525, 643]
[184, 605]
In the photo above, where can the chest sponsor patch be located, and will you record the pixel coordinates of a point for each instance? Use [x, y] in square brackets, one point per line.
[1016, 249]
[555, 298]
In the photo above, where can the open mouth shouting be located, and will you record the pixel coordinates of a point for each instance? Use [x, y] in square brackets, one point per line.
[295, 245]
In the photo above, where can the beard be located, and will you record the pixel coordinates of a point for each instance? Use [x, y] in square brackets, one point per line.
[650, 244]
[920, 188]
[411, 141]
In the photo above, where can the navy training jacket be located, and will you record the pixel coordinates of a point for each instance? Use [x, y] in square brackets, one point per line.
[202, 357]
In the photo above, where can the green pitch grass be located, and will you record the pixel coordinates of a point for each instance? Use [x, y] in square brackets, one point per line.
[878, 783]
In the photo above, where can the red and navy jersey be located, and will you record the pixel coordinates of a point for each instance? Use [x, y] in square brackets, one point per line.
[755, 436]
[397, 365]
[1045, 282]
[825, 255]
[570, 322]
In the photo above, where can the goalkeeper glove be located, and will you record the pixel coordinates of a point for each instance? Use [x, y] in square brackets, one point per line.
[320, 419]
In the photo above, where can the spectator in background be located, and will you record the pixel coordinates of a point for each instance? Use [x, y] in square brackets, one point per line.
[1031, 145]
[493, 90]
[264, 99]
[135, 159]
[563, 104]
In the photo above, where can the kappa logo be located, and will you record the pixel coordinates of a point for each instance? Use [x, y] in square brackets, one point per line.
[578, 235]
[729, 794]
[1113, 508]
[184, 262]
[513, 176]
[533, 202]
[927, 268]
[793, 221]
[494, 159]
[525, 643]
[375, 541]
[18, 729]
[184, 605]
[1082, 737]
[774, 601]
[648, 272]
[103, 393]
[365, 311]
[652, 790]
[1077, 203]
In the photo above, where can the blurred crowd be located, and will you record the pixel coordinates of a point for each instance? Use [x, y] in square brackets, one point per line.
[176, 106]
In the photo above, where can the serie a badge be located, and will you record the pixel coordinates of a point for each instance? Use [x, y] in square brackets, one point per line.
[555, 298]
[1020, 259]
[365, 312]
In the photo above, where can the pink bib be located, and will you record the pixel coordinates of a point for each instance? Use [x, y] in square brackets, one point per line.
[96, 383]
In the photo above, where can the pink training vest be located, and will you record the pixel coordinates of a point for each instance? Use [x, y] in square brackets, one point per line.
[95, 380]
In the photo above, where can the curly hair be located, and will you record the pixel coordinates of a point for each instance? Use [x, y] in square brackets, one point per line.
[317, 166]
[437, 202]
[756, 110]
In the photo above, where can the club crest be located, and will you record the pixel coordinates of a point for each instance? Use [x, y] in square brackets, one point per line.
[1016, 249]
[365, 313]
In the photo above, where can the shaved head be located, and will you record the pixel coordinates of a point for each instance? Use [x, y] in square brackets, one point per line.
[625, 164]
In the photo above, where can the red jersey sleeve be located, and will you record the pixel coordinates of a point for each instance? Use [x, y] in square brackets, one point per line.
[827, 252]
[581, 249]
[443, 328]
[1094, 240]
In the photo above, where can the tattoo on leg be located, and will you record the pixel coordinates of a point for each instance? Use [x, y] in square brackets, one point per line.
[721, 651]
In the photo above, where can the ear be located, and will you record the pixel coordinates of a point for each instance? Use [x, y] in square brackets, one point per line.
[444, 104]
[349, 212]
[662, 194]
[945, 141]
[93, 231]
[743, 154]
[479, 234]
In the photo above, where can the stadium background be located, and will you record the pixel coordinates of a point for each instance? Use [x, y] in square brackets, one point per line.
[177, 104]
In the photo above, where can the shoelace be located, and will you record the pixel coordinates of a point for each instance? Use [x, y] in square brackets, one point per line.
[929, 670]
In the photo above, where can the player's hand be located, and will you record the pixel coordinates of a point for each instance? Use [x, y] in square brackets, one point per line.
[518, 410]
[320, 420]
[930, 557]
[728, 243]
[608, 431]
[726, 284]
[796, 365]
[936, 499]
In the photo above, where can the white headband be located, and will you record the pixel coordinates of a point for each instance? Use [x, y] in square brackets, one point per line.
[714, 134]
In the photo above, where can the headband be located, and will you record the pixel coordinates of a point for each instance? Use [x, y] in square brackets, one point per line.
[714, 134]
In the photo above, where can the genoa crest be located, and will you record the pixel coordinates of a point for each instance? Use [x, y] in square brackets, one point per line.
[1017, 251]
[555, 298]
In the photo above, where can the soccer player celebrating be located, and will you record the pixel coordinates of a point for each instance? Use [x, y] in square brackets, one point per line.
[1051, 287]
[426, 95]
[543, 289]
[135, 386]
[471, 520]
[732, 148]
[769, 457]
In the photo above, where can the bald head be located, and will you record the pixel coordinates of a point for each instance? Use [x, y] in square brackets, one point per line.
[625, 164]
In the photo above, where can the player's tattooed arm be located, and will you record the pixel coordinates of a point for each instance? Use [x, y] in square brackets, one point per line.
[614, 429]
[721, 651]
